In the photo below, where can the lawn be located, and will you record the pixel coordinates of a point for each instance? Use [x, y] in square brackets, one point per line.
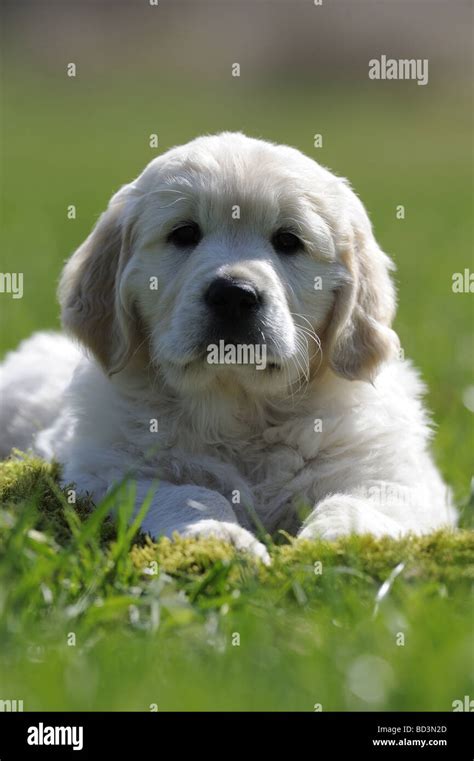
[91, 621]
[94, 617]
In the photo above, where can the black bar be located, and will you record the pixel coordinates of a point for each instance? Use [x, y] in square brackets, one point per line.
[346, 735]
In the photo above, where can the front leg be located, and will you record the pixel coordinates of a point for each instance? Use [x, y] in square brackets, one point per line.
[380, 508]
[194, 511]
[343, 514]
[383, 508]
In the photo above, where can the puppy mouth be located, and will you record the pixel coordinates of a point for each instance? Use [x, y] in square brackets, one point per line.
[241, 351]
[201, 362]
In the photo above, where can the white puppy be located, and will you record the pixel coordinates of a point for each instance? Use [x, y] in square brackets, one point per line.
[237, 312]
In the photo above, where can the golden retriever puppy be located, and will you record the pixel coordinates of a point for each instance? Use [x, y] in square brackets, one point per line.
[236, 313]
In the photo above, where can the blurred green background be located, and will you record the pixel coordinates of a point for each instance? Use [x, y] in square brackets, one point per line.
[167, 70]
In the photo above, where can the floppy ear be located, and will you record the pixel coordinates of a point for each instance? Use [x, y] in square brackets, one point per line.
[359, 337]
[89, 294]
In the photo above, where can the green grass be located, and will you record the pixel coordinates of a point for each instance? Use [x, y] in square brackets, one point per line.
[189, 625]
[165, 638]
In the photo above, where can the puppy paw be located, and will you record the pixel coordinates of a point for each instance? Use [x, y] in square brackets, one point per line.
[239, 537]
[341, 515]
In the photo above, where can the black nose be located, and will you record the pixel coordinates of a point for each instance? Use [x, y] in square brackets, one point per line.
[230, 298]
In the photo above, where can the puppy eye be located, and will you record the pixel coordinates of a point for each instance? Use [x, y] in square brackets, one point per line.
[286, 243]
[185, 236]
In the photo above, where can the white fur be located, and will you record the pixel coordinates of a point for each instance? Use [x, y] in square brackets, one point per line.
[233, 441]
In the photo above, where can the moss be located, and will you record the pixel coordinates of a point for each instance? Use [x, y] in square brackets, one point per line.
[183, 555]
[22, 476]
[28, 482]
[440, 556]
[443, 557]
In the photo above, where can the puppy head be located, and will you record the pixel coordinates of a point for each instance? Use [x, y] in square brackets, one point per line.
[233, 262]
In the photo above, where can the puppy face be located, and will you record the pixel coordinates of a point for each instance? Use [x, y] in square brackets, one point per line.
[233, 261]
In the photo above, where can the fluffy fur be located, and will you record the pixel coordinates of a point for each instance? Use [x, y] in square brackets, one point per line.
[333, 422]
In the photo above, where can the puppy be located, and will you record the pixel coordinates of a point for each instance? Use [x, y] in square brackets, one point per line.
[235, 311]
